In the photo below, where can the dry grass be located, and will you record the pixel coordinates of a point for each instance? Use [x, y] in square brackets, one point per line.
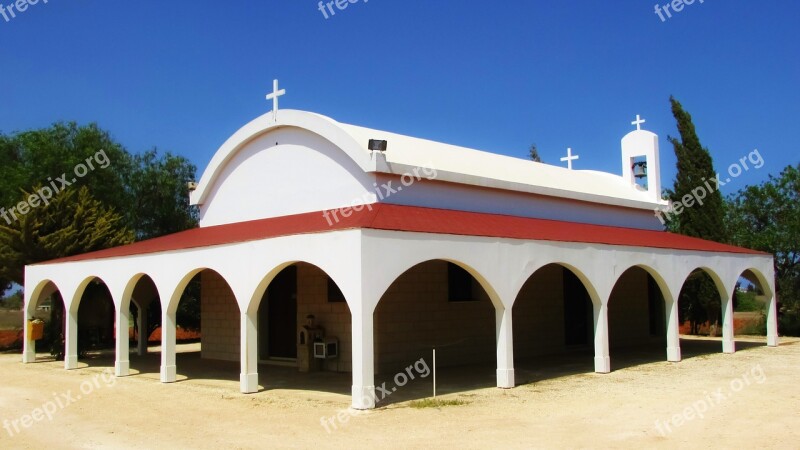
[436, 403]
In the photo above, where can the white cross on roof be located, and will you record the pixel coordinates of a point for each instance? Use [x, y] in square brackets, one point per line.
[274, 97]
[638, 122]
[569, 158]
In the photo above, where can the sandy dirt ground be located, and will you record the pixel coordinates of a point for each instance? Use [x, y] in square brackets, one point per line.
[750, 399]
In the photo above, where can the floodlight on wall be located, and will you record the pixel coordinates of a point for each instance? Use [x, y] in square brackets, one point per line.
[378, 145]
[192, 185]
[639, 169]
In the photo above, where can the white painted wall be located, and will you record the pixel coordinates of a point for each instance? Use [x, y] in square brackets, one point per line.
[285, 171]
[463, 197]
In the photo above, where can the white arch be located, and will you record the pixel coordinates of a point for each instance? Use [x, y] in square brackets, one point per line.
[598, 297]
[726, 304]
[760, 279]
[581, 272]
[320, 125]
[33, 296]
[42, 289]
[75, 297]
[487, 286]
[130, 287]
[771, 300]
[660, 280]
[179, 287]
[722, 286]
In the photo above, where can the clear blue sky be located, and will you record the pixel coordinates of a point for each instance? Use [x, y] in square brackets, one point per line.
[184, 75]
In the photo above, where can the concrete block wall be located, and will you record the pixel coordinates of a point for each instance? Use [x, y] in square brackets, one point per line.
[220, 318]
[414, 315]
[629, 311]
[312, 298]
[538, 318]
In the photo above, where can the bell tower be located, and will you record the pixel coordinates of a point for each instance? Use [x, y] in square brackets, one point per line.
[640, 158]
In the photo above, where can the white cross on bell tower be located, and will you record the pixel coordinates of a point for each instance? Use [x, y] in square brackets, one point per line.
[569, 158]
[274, 97]
[638, 122]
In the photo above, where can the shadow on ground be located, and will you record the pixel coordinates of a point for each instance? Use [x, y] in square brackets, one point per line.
[396, 388]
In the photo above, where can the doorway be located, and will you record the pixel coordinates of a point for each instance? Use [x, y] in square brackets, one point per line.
[577, 311]
[280, 316]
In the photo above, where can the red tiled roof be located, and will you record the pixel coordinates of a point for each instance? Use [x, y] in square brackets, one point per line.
[413, 219]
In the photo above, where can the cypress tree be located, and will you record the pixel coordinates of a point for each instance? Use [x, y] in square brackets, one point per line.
[695, 173]
[533, 153]
[699, 300]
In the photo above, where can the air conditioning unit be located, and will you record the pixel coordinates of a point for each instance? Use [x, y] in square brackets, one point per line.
[328, 348]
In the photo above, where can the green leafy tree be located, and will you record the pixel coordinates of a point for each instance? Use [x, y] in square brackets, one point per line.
[767, 218]
[149, 191]
[123, 198]
[699, 299]
[74, 222]
[159, 188]
[13, 301]
[36, 157]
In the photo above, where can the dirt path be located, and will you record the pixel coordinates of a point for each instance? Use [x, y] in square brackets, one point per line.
[749, 399]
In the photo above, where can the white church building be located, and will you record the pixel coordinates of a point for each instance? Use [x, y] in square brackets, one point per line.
[396, 245]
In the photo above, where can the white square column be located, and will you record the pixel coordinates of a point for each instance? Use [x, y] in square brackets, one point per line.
[168, 330]
[772, 322]
[248, 379]
[602, 361]
[71, 340]
[122, 364]
[28, 345]
[363, 390]
[505, 348]
[673, 331]
[728, 344]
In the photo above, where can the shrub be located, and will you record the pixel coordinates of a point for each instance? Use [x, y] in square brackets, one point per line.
[747, 302]
[789, 324]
